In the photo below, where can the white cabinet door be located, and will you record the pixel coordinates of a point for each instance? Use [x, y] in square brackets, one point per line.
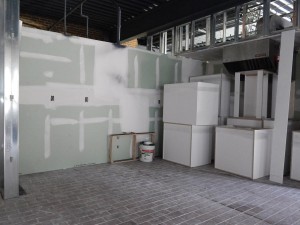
[234, 151]
[202, 145]
[177, 143]
[295, 165]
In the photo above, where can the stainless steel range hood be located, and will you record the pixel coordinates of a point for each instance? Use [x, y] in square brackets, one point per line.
[251, 55]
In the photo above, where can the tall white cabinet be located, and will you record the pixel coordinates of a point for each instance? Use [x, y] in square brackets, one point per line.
[190, 114]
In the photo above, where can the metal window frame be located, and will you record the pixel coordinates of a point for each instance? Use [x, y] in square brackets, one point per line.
[179, 37]
[208, 28]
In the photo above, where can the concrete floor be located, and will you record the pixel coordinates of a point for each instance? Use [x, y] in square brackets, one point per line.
[150, 193]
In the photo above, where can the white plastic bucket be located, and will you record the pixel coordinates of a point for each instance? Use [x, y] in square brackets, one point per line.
[147, 149]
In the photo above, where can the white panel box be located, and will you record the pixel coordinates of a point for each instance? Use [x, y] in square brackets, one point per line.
[295, 162]
[243, 151]
[191, 103]
[224, 82]
[188, 145]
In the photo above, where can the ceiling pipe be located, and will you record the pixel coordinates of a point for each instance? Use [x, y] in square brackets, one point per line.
[65, 16]
[119, 25]
[87, 20]
[119, 21]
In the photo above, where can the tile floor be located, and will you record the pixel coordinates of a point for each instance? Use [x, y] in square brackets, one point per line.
[150, 193]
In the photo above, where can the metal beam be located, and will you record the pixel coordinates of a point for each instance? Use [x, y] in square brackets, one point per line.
[172, 14]
[67, 14]
[9, 97]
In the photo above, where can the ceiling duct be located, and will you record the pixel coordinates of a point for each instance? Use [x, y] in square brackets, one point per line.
[252, 55]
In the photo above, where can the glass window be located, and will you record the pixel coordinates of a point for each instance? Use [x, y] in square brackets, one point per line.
[225, 26]
[155, 45]
[168, 41]
[183, 37]
[202, 32]
[252, 18]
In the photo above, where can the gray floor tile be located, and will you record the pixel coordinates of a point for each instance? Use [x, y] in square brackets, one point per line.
[150, 193]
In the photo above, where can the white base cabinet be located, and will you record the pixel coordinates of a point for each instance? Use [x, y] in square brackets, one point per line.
[295, 164]
[187, 144]
[243, 151]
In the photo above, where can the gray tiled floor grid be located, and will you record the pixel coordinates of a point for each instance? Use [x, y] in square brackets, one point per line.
[150, 193]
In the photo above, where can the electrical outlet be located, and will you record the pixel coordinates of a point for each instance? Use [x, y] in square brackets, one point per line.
[52, 98]
[86, 99]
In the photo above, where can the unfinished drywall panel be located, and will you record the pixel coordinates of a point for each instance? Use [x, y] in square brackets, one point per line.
[74, 92]
[169, 70]
[62, 138]
[142, 69]
[50, 60]
[190, 68]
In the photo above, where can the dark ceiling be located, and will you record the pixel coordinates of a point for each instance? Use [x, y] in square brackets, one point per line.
[138, 16]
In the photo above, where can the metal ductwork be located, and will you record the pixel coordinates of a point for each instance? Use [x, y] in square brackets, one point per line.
[251, 55]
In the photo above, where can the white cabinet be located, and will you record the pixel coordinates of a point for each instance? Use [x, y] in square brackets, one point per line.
[224, 84]
[243, 151]
[245, 122]
[295, 164]
[191, 103]
[187, 144]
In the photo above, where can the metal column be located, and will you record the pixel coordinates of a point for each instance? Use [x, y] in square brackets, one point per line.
[224, 25]
[119, 24]
[9, 98]
[237, 23]
[266, 11]
[297, 13]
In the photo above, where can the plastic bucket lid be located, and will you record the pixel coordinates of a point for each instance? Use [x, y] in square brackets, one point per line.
[148, 143]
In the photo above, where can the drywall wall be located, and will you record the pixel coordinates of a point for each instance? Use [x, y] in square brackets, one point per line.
[98, 89]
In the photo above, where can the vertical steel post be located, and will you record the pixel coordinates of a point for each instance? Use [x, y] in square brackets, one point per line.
[266, 17]
[297, 12]
[244, 28]
[213, 30]
[237, 22]
[173, 41]
[165, 37]
[87, 20]
[119, 25]
[208, 32]
[161, 42]
[193, 35]
[187, 36]
[149, 42]
[65, 18]
[224, 25]
[180, 38]
[9, 98]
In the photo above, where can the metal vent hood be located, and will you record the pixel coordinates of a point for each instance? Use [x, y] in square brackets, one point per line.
[251, 55]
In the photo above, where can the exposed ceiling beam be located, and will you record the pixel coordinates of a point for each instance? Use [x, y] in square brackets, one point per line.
[172, 14]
